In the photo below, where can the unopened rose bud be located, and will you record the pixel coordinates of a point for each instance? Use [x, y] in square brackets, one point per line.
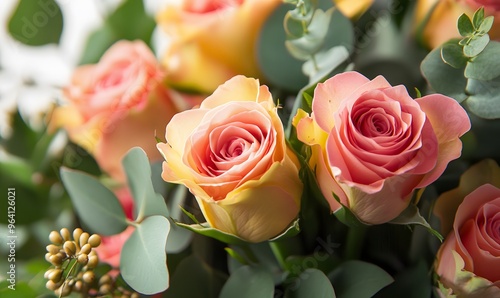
[83, 259]
[52, 249]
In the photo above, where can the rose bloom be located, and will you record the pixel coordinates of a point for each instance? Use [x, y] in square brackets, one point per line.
[212, 40]
[442, 23]
[373, 145]
[468, 262]
[232, 155]
[117, 104]
[111, 246]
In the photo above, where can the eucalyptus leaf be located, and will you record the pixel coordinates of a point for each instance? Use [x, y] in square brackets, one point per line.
[311, 283]
[143, 261]
[486, 25]
[442, 77]
[411, 216]
[476, 45]
[485, 66]
[478, 17]
[36, 23]
[249, 282]
[179, 239]
[138, 170]
[413, 282]
[324, 63]
[96, 205]
[453, 55]
[465, 27]
[484, 99]
[358, 279]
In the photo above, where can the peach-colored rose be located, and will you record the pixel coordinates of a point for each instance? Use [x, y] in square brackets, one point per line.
[443, 15]
[111, 246]
[468, 262]
[212, 40]
[454, 263]
[373, 145]
[232, 155]
[117, 104]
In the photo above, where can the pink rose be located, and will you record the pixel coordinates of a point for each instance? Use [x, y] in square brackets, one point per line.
[468, 262]
[373, 145]
[212, 40]
[232, 155]
[118, 104]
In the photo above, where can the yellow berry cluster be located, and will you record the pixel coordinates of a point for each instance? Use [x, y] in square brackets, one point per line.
[74, 260]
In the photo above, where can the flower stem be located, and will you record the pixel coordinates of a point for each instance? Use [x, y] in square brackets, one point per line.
[354, 242]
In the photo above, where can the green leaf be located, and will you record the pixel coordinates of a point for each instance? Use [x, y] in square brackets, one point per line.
[23, 138]
[484, 99]
[138, 170]
[486, 25]
[193, 278]
[143, 261]
[205, 230]
[478, 17]
[311, 41]
[346, 216]
[411, 216]
[485, 66]
[413, 282]
[465, 27]
[324, 63]
[36, 23]
[277, 64]
[452, 54]
[311, 283]
[442, 77]
[249, 282]
[97, 44]
[476, 45]
[358, 279]
[96, 205]
[129, 21]
[179, 239]
[291, 231]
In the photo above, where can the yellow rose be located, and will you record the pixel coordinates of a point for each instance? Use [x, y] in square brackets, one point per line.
[212, 40]
[232, 155]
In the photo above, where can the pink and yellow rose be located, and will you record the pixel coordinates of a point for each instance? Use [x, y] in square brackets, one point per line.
[212, 40]
[232, 155]
[373, 145]
[468, 261]
[117, 104]
[443, 15]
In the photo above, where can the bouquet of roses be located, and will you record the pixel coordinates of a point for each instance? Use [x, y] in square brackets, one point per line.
[297, 148]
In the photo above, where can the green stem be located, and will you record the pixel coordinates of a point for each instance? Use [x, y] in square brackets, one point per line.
[354, 242]
[284, 248]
